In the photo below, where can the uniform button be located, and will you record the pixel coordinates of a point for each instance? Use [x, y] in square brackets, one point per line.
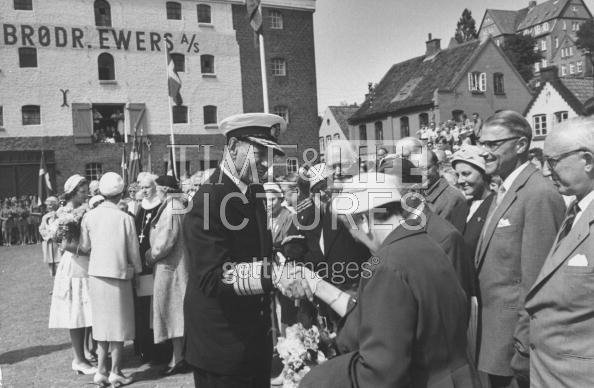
[532, 347]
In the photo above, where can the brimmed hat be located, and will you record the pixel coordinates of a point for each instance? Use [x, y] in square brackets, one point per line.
[167, 181]
[72, 183]
[258, 128]
[368, 191]
[470, 154]
[111, 184]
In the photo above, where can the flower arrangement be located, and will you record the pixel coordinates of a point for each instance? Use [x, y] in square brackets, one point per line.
[299, 351]
[66, 225]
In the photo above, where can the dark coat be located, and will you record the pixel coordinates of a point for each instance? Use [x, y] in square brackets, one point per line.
[474, 226]
[226, 333]
[562, 311]
[408, 325]
[448, 202]
[509, 257]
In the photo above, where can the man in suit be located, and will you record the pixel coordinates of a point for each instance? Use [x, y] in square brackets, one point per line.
[520, 228]
[446, 201]
[406, 327]
[227, 307]
[560, 301]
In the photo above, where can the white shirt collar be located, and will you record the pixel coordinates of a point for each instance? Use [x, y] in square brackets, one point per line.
[509, 181]
[583, 204]
[150, 203]
[240, 185]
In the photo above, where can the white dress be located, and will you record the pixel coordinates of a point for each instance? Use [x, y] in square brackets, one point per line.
[71, 307]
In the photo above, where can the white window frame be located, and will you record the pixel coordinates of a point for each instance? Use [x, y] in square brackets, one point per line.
[556, 42]
[543, 45]
[93, 170]
[561, 116]
[545, 26]
[564, 25]
[477, 81]
[579, 66]
[537, 67]
[275, 19]
[282, 111]
[570, 51]
[571, 68]
[544, 63]
[291, 165]
[278, 67]
[537, 29]
[322, 144]
[539, 123]
[563, 70]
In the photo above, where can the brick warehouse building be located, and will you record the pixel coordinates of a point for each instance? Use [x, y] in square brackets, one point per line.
[76, 75]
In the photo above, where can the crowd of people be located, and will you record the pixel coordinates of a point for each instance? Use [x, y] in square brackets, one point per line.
[20, 219]
[463, 269]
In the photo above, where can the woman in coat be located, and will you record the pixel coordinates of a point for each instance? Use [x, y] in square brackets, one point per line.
[168, 255]
[51, 256]
[109, 235]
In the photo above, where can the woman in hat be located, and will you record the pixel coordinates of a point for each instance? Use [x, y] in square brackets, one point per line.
[70, 306]
[51, 256]
[110, 236]
[169, 257]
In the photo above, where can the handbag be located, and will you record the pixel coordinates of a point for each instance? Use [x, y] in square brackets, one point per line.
[145, 285]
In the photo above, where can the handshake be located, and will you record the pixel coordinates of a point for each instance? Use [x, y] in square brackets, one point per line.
[294, 281]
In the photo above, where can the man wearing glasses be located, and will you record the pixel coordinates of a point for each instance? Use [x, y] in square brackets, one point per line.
[520, 229]
[560, 301]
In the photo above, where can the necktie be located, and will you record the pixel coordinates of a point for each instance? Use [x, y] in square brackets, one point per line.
[568, 222]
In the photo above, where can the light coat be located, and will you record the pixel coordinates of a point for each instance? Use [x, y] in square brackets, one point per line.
[561, 307]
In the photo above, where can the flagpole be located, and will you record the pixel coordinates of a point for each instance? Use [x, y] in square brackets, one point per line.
[170, 109]
[263, 67]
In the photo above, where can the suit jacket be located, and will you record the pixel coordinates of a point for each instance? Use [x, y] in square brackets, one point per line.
[110, 235]
[226, 333]
[509, 256]
[448, 202]
[474, 226]
[407, 327]
[561, 308]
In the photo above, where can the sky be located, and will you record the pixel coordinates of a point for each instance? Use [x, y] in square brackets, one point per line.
[357, 41]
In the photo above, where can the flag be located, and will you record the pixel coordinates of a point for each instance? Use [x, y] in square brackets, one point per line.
[134, 162]
[44, 185]
[254, 15]
[124, 166]
[174, 82]
[171, 169]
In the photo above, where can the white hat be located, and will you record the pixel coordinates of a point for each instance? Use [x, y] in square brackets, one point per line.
[470, 154]
[318, 173]
[96, 200]
[111, 184]
[367, 191]
[72, 183]
[272, 187]
[259, 128]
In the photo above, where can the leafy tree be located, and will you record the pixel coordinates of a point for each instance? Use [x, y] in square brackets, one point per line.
[585, 36]
[520, 51]
[466, 28]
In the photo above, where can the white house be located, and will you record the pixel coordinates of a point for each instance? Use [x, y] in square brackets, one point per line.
[334, 125]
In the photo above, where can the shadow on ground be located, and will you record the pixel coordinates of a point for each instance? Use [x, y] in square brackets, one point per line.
[19, 355]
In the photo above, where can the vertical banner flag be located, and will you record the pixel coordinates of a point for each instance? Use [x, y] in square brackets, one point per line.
[254, 15]
[44, 185]
[134, 162]
[124, 166]
[174, 82]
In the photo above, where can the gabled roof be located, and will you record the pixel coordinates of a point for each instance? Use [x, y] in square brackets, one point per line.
[342, 114]
[507, 21]
[576, 91]
[542, 12]
[412, 84]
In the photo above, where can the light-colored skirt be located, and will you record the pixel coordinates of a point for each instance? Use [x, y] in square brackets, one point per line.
[51, 253]
[112, 304]
[71, 305]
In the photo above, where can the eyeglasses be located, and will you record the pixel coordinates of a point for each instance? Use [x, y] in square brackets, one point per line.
[552, 162]
[494, 145]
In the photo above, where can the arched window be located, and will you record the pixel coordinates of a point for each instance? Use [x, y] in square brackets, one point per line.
[404, 127]
[207, 64]
[379, 131]
[179, 62]
[210, 114]
[106, 67]
[31, 114]
[102, 13]
[204, 13]
[173, 10]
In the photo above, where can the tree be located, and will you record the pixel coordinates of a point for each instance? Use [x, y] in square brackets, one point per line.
[585, 36]
[466, 28]
[520, 51]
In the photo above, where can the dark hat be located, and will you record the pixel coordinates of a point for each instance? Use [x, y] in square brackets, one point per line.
[167, 181]
[258, 128]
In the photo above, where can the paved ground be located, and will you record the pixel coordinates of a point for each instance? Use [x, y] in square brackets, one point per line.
[31, 355]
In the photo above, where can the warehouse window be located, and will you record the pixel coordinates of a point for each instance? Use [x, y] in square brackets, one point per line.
[498, 87]
[204, 13]
[179, 62]
[180, 114]
[31, 114]
[173, 10]
[276, 20]
[27, 57]
[23, 5]
[279, 67]
[282, 111]
[93, 171]
[207, 64]
[106, 67]
[102, 13]
[210, 114]
[108, 123]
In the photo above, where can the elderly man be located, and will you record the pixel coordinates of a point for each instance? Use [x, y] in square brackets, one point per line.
[227, 305]
[406, 326]
[560, 301]
[520, 228]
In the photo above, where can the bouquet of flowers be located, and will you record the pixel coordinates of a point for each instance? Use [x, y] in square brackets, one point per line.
[299, 351]
[66, 225]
